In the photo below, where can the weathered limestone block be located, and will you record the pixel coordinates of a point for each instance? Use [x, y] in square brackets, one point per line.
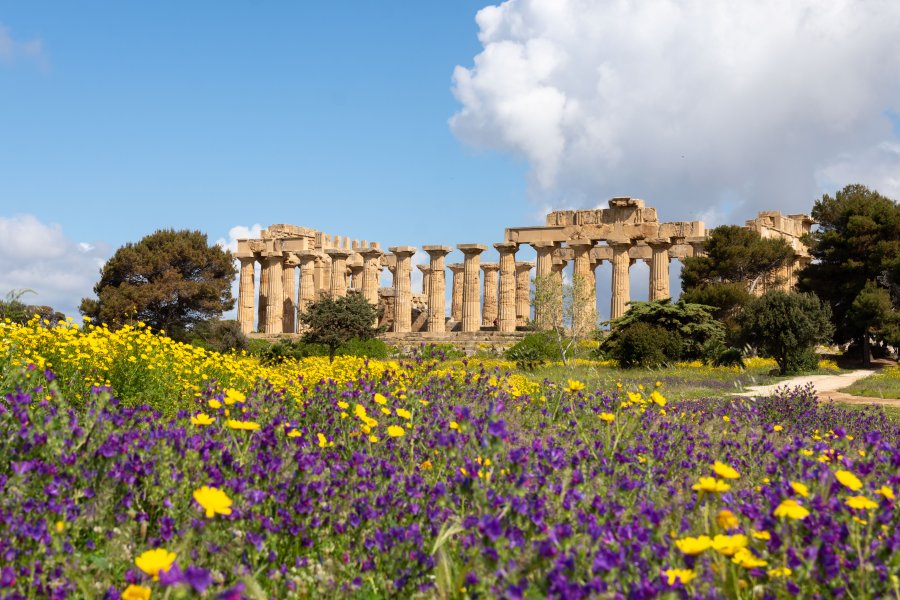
[246, 292]
[620, 282]
[456, 297]
[490, 312]
[274, 309]
[471, 302]
[437, 288]
[402, 291]
[338, 258]
[506, 312]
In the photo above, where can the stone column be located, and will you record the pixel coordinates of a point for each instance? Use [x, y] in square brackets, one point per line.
[506, 311]
[338, 258]
[544, 267]
[489, 313]
[659, 269]
[356, 273]
[456, 296]
[583, 272]
[426, 274]
[274, 310]
[437, 288]
[289, 290]
[556, 277]
[402, 293]
[471, 301]
[523, 292]
[620, 282]
[263, 294]
[371, 273]
[307, 279]
[245, 292]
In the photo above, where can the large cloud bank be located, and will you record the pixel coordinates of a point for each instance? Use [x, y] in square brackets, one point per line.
[715, 108]
[40, 257]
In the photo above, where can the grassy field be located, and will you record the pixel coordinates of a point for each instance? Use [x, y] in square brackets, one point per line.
[884, 384]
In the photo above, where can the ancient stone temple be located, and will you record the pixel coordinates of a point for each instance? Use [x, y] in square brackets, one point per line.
[299, 265]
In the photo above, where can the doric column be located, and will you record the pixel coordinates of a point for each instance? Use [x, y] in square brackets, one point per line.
[659, 269]
[489, 313]
[587, 286]
[456, 296]
[245, 292]
[263, 294]
[356, 266]
[544, 267]
[402, 292]
[556, 277]
[274, 310]
[338, 258]
[289, 291]
[437, 288]
[523, 292]
[471, 301]
[506, 312]
[620, 282]
[426, 274]
[371, 273]
[307, 278]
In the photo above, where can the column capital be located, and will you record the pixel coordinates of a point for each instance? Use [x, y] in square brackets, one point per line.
[580, 243]
[663, 243]
[490, 267]
[524, 266]
[369, 252]
[339, 253]
[435, 250]
[244, 255]
[537, 245]
[402, 250]
[455, 267]
[424, 268]
[504, 247]
[468, 249]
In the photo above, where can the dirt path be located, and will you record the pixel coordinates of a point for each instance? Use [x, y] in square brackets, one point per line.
[827, 387]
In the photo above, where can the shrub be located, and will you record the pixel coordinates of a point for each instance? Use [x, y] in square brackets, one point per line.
[542, 344]
[527, 358]
[371, 348]
[438, 352]
[644, 345]
[220, 336]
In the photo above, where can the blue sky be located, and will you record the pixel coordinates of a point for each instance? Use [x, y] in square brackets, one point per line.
[418, 123]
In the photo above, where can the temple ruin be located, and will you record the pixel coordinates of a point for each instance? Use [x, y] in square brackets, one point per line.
[299, 265]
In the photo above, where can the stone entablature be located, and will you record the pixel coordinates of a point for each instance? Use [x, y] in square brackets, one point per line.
[622, 234]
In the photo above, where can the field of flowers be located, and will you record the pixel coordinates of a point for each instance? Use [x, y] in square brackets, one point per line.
[421, 479]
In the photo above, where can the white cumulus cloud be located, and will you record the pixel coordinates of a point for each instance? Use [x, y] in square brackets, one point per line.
[40, 257]
[719, 107]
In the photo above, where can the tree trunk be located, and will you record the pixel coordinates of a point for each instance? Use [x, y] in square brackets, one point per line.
[867, 351]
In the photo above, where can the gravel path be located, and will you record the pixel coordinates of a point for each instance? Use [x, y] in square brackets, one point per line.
[827, 387]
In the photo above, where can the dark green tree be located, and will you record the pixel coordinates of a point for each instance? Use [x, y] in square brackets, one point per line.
[871, 317]
[787, 327]
[170, 280]
[737, 261]
[334, 321]
[680, 330]
[857, 241]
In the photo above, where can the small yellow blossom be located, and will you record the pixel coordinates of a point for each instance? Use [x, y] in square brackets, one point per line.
[860, 502]
[711, 484]
[747, 559]
[294, 433]
[426, 465]
[380, 399]
[373, 438]
[343, 405]
[658, 398]
[724, 471]
[153, 562]
[683, 576]
[213, 500]
[395, 431]
[727, 520]
[608, 417]
[454, 425]
[215, 404]
[886, 492]
[727, 419]
[777, 428]
[136, 592]
[403, 413]
[729, 544]
[202, 419]
[243, 425]
[791, 509]
[574, 385]
[800, 489]
[323, 441]
[232, 396]
[779, 572]
[761, 535]
[360, 411]
[848, 480]
[691, 545]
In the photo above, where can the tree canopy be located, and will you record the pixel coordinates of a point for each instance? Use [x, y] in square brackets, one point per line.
[170, 280]
[857, 242]
[333, 321]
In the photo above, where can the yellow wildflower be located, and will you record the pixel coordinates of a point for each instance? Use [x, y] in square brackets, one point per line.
[243, 425]
[681, 575]
[711, 484]
[777, 428]
[232, 396]
[294, 433]
[395, 431]
[360, 411]
[608, 417]
[724, 471]
[153, 562]
[380, 399]
[343, 405]
[727, 419]
[729, 544]
[779, 572]
[323, 441]
[727, 520]
[426, 465]
[215, 404]
[202, 419]
[213, 500]
[575, 386]
[658, 398]
[403, 413]
[373, 438]
[791, 509]
[454, 425]
[860, 502]
[691, 545]
[136, 592]
[848, 480]
[761, 535]
[747, 559]
[800, 489]
[886, 492]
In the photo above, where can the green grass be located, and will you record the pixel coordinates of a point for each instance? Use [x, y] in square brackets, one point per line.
[891, 412]
[884, 384]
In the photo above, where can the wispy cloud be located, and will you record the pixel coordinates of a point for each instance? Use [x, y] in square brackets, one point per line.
[13, 50]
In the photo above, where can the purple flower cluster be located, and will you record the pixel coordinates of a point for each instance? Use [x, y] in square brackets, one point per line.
[484, 495]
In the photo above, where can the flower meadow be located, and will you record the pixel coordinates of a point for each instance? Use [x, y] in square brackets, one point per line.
[419, 479]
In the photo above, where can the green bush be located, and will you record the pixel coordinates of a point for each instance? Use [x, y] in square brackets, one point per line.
[371, 348]
[527, 358]
[439, 352]
[541, 344]
[220, 336]
[643, 345]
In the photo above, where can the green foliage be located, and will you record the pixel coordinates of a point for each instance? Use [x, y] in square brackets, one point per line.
[857, 241]
[285, 349]
[334, 321]
[787, 327]
[439, 352]
[527, 358]
[641, 344]
[566, 311]
[370, 348]
[693, 325]
[220, 336]
[871, 315]
[540, 345]
[16, 311]
[171, 280]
